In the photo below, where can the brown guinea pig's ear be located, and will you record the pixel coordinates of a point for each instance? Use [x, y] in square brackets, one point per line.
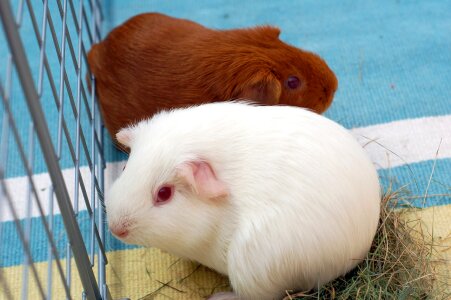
[263, 87]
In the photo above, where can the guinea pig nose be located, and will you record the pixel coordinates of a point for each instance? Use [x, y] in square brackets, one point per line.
[119, 231]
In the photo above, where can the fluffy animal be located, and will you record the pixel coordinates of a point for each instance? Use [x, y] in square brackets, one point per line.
[276, 197]
[154, 62]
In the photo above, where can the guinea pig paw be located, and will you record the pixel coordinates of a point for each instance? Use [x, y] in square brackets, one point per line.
[224, 296]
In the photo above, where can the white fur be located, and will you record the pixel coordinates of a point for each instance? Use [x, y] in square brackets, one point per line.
[304, 198]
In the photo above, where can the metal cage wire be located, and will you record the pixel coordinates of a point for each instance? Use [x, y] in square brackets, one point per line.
[80, 139]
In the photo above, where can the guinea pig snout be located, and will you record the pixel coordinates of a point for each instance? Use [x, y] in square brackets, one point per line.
[120, 229]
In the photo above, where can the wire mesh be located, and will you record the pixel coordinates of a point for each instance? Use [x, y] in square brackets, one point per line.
[51, 152]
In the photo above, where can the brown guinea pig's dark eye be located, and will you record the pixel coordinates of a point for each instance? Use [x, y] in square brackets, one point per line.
[164, 194]
[293, 82]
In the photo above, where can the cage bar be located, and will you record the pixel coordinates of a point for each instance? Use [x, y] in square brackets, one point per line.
[50, 253]
[39, 136]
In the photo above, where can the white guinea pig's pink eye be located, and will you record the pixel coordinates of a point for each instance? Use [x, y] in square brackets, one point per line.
[293, 82]
[164, 194]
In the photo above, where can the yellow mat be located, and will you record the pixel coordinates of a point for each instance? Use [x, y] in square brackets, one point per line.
[153, 274]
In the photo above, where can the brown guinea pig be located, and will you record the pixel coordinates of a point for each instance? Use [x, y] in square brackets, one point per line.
[154, 62]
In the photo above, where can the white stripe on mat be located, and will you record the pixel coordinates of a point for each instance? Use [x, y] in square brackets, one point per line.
[18, 187]
[389, 145]
[407, 141]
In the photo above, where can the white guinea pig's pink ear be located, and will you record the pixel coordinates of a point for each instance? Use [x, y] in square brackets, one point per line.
[202, 179]
[124, 136]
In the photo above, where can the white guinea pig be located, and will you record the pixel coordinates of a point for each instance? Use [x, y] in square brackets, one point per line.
[277, 198]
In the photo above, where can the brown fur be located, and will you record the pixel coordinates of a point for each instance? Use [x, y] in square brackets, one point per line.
[154, 62]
